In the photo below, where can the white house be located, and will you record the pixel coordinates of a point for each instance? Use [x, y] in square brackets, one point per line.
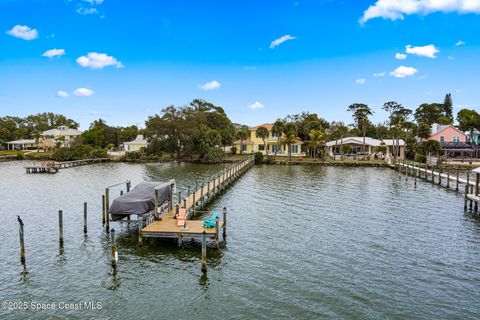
[23, 144]
[356, 145]
[62, 132]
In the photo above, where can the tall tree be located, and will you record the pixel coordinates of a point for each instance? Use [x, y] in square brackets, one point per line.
[360, 113]
[289, 137]
[262, 133]
[242, 134]
[277, 129]
[428, 113]
[448, 106]
[469, 120]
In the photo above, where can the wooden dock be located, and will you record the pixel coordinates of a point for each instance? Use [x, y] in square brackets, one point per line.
[447, 180]
[8, 158]
[54, 167]
[167, 226]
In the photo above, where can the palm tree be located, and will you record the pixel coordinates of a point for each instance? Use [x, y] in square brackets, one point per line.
[360, 113]
[290, 137]
[242, 134]
[316, 137]
[262, 133]
[277, 129]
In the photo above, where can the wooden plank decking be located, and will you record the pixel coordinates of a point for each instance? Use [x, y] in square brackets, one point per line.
[167, 226]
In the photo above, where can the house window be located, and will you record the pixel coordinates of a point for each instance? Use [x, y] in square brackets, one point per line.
[294, 148]
[274, 135]
[442, 139]
[456, 139]
[276, 148]
[244, 147]
[261, 147]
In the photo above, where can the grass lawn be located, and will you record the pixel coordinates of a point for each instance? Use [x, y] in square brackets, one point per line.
[12, 152]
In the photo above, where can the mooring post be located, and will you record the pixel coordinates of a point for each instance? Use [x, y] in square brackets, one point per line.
[121, 192]
[440, 177]
[201, 196]
[60, 227]
[224, 224]
[188, 192]
[456, 183]
[156, 202]
[103, 209]
[416, 174]
[477, 181]
[140, 227]
[466, 198]
[217, 222]
[114, 249]
[193, 202]
[129, 183]
[107, 215]
[448, 180]
[204, 252]
[170, 198]
[85, 218]
[180, 197]
[22, 243]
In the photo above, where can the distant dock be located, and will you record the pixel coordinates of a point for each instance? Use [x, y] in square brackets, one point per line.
[8, 158]
[54, 167]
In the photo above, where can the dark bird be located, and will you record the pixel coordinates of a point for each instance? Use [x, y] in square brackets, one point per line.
[19, 220]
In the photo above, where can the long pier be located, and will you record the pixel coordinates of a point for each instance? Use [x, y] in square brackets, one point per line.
[167, 227]
[421, 171]
[54, 167]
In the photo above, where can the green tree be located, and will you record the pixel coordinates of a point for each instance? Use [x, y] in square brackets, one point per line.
[316, 137]
[262, 133]
[277, 129]
[242, 134]
[448, 107]
[289, 137]
[428, 113]
[360, 113]
[468, 120]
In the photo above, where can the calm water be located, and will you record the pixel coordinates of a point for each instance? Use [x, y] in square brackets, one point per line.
[303, 242]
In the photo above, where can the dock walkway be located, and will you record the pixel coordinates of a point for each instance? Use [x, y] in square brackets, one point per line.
[54, 167]
[167, 226]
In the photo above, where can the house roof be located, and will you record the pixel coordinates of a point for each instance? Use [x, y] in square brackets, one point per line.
[368, 141]
[246, 141]
[22, 141]
[138, 140]
[62, 131]
[269, 126]
[442, 128]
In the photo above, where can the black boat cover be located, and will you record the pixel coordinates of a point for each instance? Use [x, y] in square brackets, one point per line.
[140, 200]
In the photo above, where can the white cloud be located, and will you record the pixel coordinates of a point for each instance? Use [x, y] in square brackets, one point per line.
[379, 74]
[400, 56]
[94, 2]
[210, 85]
[96, 60]
[255, 106]
[361, 81]
[460, 43]
[281, 40]
[86, 11]
[54, 53]
[83, 92]
[62, 94]
[397, 9]
[425, 51]
[402, 72]
[23, 32]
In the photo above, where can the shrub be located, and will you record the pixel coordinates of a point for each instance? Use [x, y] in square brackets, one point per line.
[258, 157]
[98, 153]
[269, 160]
[214, 155]
[233, 150]
[420, 158]
[20, 156]
[132, 155]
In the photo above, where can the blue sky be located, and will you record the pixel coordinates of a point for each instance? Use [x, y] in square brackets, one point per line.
[260, 60]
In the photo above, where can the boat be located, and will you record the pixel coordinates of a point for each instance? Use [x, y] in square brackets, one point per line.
[141, 202]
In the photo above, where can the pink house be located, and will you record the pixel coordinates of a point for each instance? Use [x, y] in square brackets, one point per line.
[447, 134]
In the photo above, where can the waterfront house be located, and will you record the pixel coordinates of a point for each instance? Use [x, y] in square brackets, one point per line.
[136, 144]
[334, 148]
[22, 144]
[62, 135]
[447, 133]
[476, 136]
[273, 144]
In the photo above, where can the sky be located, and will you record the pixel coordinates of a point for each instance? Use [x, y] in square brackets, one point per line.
[123, 61]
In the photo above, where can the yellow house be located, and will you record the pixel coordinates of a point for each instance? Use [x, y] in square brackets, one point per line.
[136, 144]
[253, 144]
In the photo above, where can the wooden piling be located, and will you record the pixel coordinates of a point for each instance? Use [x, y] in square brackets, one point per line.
[466, 198]
[60, 227]
[179, 198]
[114, 249]
[416, 174]
[204, 252]
[156, 202]
[201, 196]
[194, 203]
[103, 209]
[121, 192]
[140, 227]
[439, 177]
[448, 180]
[22, 243]
[224, 224]
[85, 218]
[107, 215]
[456, 182]
[129, 184]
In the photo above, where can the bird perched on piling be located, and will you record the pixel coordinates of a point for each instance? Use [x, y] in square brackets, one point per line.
[19, 220]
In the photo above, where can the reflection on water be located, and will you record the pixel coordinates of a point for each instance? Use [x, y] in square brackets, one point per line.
[303, 242]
